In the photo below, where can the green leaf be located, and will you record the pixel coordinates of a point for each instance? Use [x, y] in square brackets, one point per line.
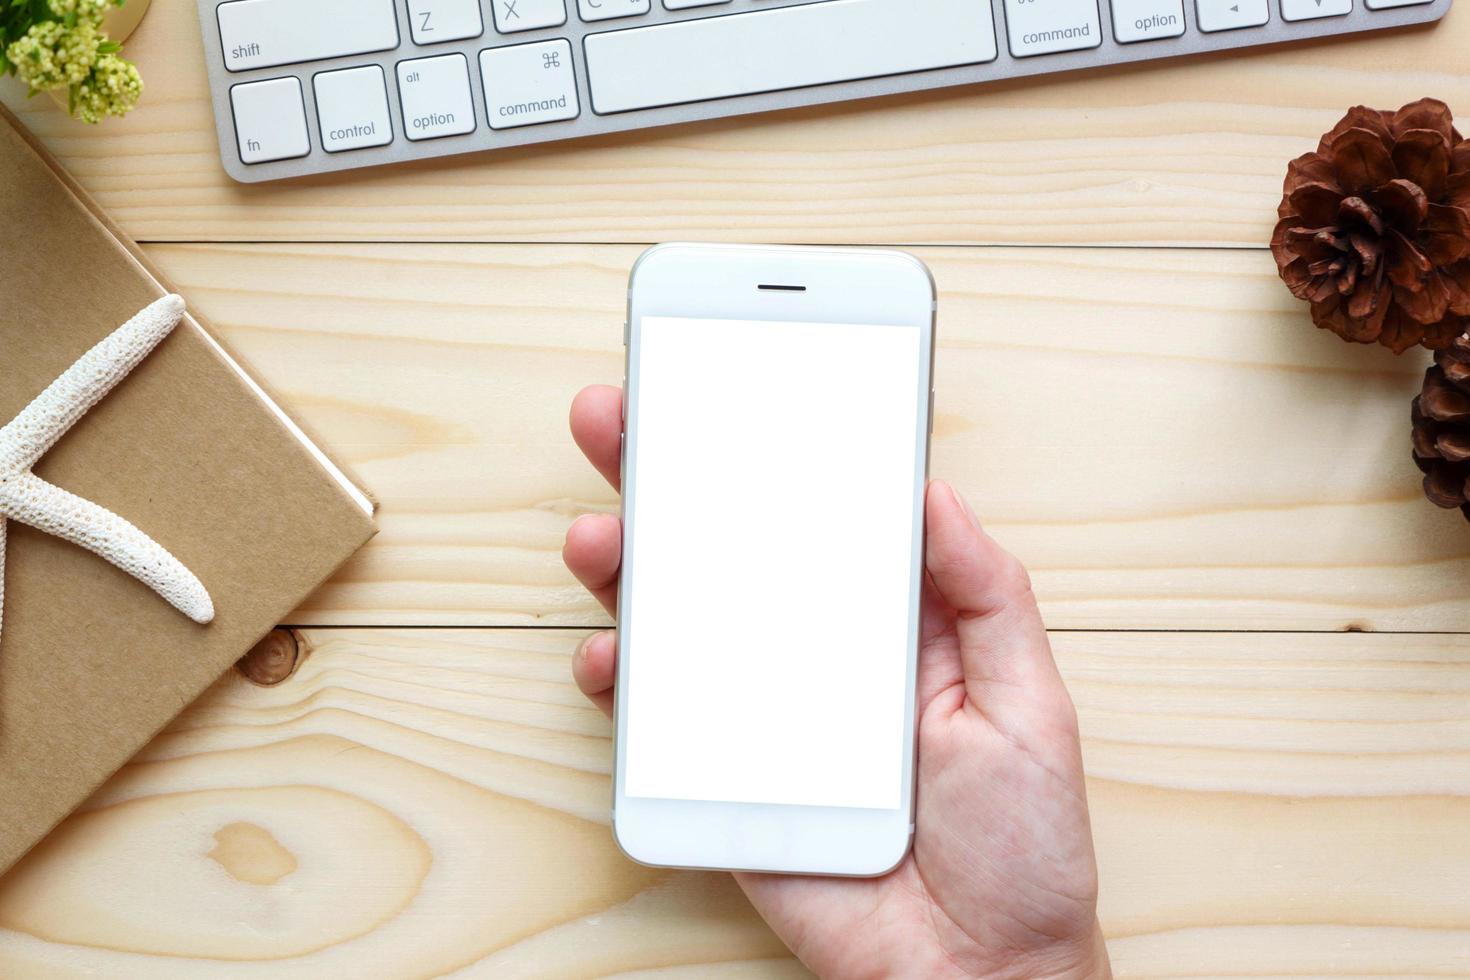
[109, 47]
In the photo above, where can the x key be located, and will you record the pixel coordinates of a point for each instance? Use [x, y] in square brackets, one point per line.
[528, 15]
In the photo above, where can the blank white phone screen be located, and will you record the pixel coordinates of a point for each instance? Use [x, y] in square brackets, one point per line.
[771, 529]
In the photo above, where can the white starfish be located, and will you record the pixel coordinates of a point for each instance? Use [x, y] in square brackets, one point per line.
[26, 498]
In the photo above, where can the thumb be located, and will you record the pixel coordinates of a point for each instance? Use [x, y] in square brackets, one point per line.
[1004, 650]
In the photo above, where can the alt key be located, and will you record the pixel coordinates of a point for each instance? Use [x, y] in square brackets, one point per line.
[1148, 20]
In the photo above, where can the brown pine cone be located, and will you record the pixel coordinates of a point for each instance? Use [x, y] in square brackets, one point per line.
[1442, 427]
[1375, 228]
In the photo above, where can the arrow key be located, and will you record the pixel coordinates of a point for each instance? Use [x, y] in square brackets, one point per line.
[1232, 15]
[1313, 9]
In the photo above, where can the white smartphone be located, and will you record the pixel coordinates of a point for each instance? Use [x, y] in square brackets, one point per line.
[775, 456]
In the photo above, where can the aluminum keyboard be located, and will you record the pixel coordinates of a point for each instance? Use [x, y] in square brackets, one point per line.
[308, 86]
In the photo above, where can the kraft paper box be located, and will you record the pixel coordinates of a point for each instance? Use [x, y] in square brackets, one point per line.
[92, 662]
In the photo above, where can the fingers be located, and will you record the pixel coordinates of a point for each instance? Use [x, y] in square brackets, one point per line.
[1004, 651]
[597, 426]
[594, 666]
[593, 551]
[594, 543]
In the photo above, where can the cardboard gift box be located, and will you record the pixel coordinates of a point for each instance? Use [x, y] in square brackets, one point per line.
[189, 449]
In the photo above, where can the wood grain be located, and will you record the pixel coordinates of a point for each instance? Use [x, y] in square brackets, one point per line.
[1183, 452]
[1190, 151]
[413, 803]
[1159, 433]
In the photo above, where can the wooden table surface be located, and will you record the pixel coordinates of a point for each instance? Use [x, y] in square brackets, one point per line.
[1263, 623]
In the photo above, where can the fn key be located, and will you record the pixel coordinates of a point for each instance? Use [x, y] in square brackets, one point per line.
[270, 121]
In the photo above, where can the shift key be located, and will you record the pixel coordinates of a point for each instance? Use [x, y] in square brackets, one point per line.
[263, 33]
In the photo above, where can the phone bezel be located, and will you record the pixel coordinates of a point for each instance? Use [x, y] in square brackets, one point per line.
[819, 285]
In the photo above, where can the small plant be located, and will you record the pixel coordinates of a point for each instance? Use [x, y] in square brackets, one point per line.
[54, 44]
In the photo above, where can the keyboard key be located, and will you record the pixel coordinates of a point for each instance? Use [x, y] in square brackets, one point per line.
[1231, 15]
[529, 15]
[1313, 9]
[1048, 26]
[436, 21]
[694, 60]
[264, 33]
[593, 10]
[1389, 4]
[270, 120]
[686, 4]
[1146, 20]
[435, 94]
[352, 108]
[528, 84]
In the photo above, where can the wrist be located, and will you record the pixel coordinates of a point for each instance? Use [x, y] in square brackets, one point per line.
[1085, 958]
[1094, 962]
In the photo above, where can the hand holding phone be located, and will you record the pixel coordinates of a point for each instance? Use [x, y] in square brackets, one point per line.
[1001, 879]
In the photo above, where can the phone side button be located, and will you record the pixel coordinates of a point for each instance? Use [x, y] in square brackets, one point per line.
[620, 461]
[931, 411]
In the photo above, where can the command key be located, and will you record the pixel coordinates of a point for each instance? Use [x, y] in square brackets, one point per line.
[528, 84]
[1048, 26]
